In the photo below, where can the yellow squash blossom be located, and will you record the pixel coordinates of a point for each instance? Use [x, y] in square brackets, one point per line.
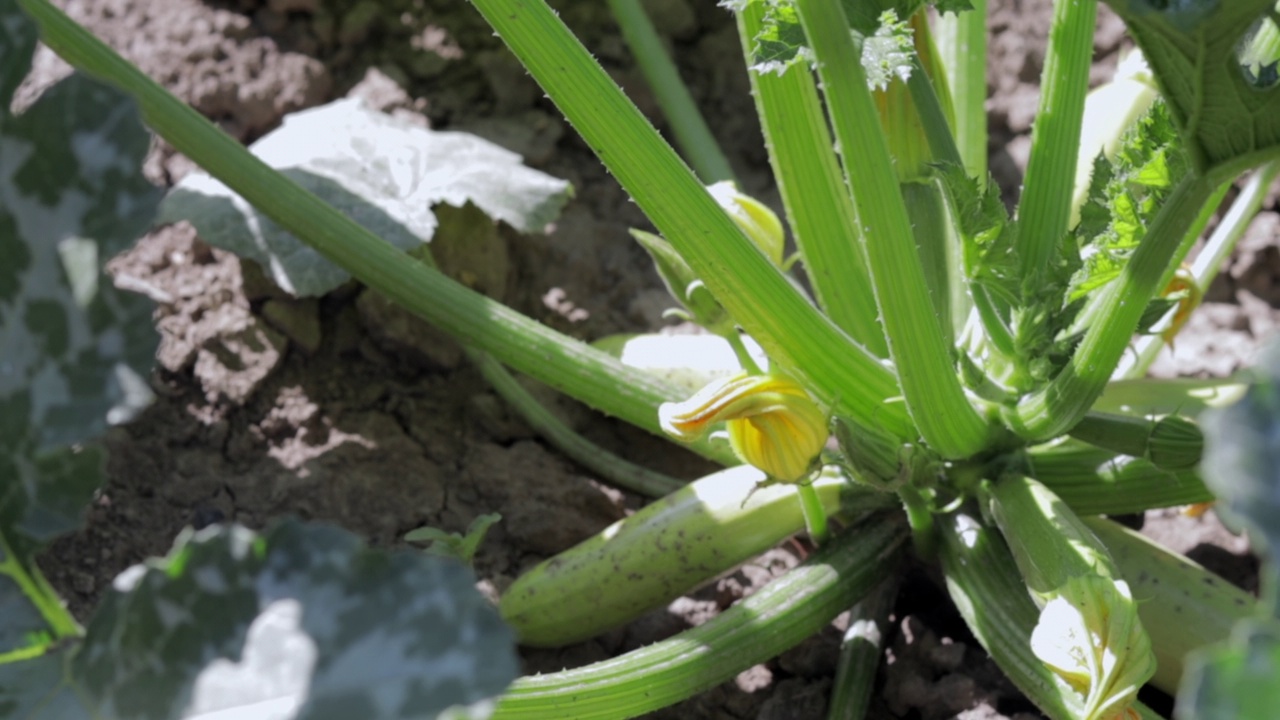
[772, 422]
[755, 220]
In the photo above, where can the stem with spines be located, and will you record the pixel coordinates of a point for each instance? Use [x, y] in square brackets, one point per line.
[917, 344]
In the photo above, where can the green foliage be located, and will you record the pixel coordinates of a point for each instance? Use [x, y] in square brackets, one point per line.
[1241, 456]
[318, 621]
[1125, 193]
[888, 52]
[454, 545]
[1025, 322]
[1237, 679]
[1034, 325]
[1056, 310]
[886, 49]
[383, 172]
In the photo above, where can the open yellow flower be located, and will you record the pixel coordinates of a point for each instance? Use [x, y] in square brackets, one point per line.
[772, 422]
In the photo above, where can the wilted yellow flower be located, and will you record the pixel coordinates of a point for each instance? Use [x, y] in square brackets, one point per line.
[1090, 636]
[756, 220]
[772, 422]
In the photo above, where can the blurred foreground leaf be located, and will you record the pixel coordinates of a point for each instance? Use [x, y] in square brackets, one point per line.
[300, 622]
[73, 349]
[1242, 455]
[1236, 680]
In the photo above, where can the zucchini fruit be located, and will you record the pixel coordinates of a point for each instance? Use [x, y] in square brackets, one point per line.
[760, 627]
[663, 551]
[1182, 605]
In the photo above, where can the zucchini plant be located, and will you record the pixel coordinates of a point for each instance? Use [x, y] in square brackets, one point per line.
[948, 372]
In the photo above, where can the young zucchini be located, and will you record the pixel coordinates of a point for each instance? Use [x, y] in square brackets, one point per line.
[780, 615]
[1088, 632]
[1182, 605]
[988, 590]
[663, 551]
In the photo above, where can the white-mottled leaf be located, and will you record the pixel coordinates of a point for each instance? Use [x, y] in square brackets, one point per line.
[301, 623]
[383, 172]
[73, 349]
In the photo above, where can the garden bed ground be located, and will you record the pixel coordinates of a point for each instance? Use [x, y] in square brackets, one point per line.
[331, 411]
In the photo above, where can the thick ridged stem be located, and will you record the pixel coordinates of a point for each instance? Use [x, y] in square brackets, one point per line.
[687, 124]
[1045, 206]
[821, 213]
[760, 627]
[917, 344]
[962, 43]
[754, 292]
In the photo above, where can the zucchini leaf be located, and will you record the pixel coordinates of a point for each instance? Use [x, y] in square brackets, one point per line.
[1213, 60]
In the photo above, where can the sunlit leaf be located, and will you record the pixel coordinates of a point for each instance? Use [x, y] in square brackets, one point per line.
[384, 172]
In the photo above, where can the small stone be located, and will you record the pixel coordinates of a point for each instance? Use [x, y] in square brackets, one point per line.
[234, 364]
[380, 91]
[256, 284]
[299, 320]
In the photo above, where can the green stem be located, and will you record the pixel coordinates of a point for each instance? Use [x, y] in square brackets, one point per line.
[555, 359]
[1093, 481]
[920, 516]
[917, 344]
[688, 125]
[815, 515]
[1186, 396]
[939, 249]
[786, 611]
[748, 363]
[860, 653]
[1060, 405]
[820, 211]
[1045, 207]
[1049, 542]
[1212, 256]
[942, 144]
[962, 42]
[747, 284]
[610, 467]
[984, 582]
[985, 585]
[39, 592]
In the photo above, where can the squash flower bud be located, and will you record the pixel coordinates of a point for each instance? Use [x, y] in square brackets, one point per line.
[1089, 635]
[772, 422]
[1182, 282]
[752, 217]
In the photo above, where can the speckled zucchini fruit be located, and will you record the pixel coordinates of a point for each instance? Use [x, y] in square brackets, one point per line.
[663, 551]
